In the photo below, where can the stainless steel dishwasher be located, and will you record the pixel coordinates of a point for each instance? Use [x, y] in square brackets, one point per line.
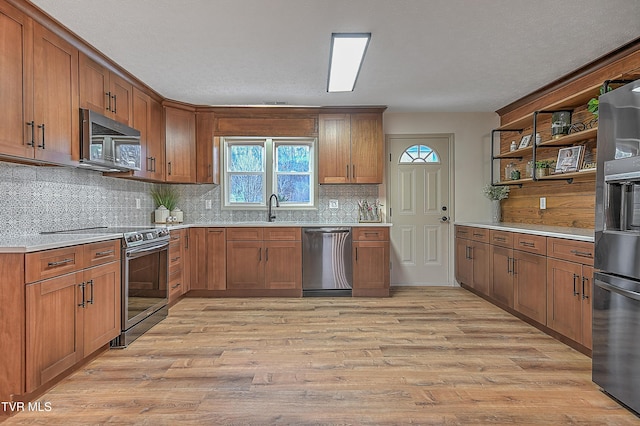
[326, 261]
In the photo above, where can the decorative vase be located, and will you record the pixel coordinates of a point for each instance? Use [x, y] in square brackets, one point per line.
[178, 215]
[496, 211]
[161, 214]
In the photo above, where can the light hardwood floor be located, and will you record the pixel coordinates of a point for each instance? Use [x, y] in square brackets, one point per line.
[423, 356]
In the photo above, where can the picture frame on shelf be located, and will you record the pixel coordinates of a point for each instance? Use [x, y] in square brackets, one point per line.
[525, 141]
[569, 159]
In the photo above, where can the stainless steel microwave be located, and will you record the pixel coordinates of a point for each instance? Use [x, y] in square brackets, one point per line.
[108, 145]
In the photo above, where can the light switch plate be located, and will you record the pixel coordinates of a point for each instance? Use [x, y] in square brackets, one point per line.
[138, 203]
[207, 204]
[543, 203]
[333, 204]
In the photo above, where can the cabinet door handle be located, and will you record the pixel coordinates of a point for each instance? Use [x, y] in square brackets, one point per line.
[508, 265]
[501, 239]
[353, 171]
[82, 288]
[108, 95]
[41, 126]
[527, 244]
[115, 103]
[575, 293]
[104, 253]
[356, 254]
[260, 254]
[175, 259]
[513, 266]
[347, 171]
[481, 235]
[209, 170]
[32, 124]
[149, 164]
[470, 252]
[59, 262]
[584, 294]
[266, 254]
[90, 301]
[186, 241]
[169, 168]
[582, 253]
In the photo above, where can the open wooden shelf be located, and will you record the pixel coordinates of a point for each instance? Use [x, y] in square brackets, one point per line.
[518, 153]
[571, 139]
[587, 173]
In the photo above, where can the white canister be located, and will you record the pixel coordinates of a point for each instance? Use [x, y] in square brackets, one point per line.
[178, 215]
[161, 214]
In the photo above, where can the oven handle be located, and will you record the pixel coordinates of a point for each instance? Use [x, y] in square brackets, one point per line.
[627, 293]
[141, 252]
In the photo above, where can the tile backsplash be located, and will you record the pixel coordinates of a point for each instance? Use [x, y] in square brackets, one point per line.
[40, 198]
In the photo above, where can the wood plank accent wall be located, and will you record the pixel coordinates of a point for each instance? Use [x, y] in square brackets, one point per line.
[567, 204]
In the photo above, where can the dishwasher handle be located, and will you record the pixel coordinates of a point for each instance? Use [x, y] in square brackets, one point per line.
[327, 231]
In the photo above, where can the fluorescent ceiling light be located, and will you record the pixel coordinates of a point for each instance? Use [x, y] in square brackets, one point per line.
[347, 54]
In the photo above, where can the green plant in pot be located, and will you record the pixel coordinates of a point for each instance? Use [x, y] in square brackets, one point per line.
[166, 200]
[543, 167]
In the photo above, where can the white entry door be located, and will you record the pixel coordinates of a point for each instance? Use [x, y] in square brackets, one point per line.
[419, 209]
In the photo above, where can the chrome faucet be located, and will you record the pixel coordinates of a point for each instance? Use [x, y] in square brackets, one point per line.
[271, 217]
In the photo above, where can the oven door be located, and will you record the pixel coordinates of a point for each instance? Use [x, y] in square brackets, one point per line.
[145, 277]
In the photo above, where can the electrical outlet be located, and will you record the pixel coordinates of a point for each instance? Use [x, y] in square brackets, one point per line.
[333, 204]
[138, 206]
[207, 204]
[543, 203]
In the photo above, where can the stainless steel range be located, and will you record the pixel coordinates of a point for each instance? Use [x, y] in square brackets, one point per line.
[145, 277]
[144, 282]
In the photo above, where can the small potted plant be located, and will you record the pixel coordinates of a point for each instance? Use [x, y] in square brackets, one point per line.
[166, 200]
[543, 167]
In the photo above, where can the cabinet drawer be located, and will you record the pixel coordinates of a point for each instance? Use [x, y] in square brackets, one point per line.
[51, 263]
[175, 256]
[246, 234]
[99, 253]
[370, 234]
[463, 232]
[531, 243]
[576, 251]
[175, 283]
[480, 234]
[282, 234]
[502, 238]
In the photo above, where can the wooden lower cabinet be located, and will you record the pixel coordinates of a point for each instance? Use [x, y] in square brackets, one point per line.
[179, 265]
[545, 279]
[68, 318]
[264, 259]
[569, 300]
[370, 253]
[208, 258]
[472, 259]
[501, 287]
[530, 285]
[283, 264]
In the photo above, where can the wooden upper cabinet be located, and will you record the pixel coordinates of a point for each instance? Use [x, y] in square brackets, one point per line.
[180, 145]
[104, 91]
[334, 148]
[367, 148]
[56, 112]
[16, 83]
[350, 148]
[207, 149]
[147, 118]
[39, 87]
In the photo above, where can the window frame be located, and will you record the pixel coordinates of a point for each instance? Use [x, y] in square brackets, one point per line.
[269, 173]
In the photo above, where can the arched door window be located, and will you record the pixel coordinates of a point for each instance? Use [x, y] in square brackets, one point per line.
[419, 154]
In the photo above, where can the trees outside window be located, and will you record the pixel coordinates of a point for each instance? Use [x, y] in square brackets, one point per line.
[257, 167]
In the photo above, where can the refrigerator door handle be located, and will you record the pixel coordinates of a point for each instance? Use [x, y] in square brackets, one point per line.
[627, 293]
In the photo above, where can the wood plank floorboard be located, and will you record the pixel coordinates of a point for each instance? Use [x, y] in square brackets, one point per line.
[423, 356]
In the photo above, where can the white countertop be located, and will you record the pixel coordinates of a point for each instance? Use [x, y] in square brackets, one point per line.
[37, 242]
[577, 234]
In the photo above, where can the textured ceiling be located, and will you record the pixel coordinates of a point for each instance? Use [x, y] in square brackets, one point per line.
[424, 55]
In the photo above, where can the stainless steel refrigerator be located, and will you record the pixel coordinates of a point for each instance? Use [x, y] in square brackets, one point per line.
[616, 296]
